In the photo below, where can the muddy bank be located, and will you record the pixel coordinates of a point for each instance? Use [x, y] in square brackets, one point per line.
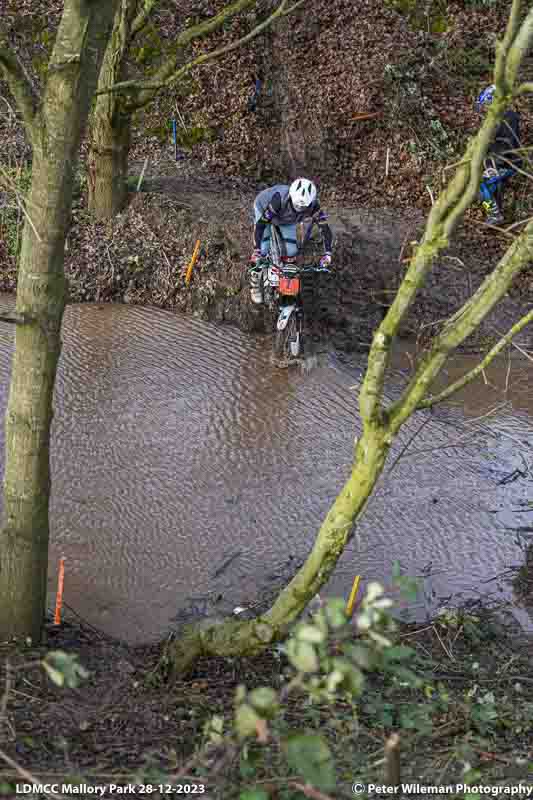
[140, 257]
[125, 723]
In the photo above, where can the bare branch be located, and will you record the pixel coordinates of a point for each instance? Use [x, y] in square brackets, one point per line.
[505, 44]
[463, 322]
[460, 383]
[443, 218]
[142, 18]
[28, 776]
[512, 165]
[309, 791]
[520, 45]
[524, 88]
[207, 26]
[166, 77]
[20, 87]
[183, 39]
[392, 770]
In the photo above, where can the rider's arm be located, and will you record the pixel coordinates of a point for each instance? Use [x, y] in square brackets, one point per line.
[266, 218]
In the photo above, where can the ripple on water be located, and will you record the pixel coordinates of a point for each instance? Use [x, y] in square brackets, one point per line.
[178, 444]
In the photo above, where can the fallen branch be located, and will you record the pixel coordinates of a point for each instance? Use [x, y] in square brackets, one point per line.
[28, 776]
[17, 319]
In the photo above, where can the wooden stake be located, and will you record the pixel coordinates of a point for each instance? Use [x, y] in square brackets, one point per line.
[59, 595]
[353, 595]
[192, 263]
[367, 115]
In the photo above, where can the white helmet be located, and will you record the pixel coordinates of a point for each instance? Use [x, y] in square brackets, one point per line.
[302, 194]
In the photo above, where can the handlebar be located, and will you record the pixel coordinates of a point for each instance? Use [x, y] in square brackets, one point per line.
[292, 268]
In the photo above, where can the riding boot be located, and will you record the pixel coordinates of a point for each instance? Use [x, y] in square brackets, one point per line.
[494, 213]
[256, 286]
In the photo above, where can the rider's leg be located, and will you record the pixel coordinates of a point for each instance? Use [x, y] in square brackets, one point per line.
[256, 275]
[487, 191]
[491, 191]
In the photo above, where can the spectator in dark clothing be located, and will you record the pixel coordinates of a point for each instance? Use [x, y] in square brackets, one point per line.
[502, 160]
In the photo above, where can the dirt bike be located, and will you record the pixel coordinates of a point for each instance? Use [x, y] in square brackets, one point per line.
[282, 287]
[285, 283]
[282, 279]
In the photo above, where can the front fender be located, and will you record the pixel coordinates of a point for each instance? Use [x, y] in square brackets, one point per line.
[284, 316]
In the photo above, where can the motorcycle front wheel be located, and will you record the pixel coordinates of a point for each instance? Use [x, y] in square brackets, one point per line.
[288, 342]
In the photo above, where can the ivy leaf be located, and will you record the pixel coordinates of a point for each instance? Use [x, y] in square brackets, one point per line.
[264, 700]
[64, 669]
[302, 656]
[311, 634]
[246, 720]
[336, 613]
[373, 591]
[361, 654]
[310, 756]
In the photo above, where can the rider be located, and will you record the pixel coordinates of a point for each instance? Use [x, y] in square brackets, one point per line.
[286, 206]
[501, 161]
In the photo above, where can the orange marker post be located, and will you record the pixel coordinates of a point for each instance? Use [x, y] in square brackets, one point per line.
[192, 262]
[59, 595]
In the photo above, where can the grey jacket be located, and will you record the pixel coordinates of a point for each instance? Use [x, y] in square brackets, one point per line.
[273, 206]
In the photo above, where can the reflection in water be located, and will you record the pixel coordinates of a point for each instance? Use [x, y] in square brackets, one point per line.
[186, 465]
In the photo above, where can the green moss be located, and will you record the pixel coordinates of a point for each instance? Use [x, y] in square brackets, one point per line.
[423, 16]
[150, 48]
[193, 135]
[159, 130]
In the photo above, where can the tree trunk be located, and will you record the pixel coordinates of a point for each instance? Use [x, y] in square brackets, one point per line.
[41, 294]
[110, 127]
[108, 163]
[56, 130]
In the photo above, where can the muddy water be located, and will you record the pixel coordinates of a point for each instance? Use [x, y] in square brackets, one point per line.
[190, 474]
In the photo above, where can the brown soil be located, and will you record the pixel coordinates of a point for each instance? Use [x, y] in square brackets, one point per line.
[141, 256]
[126, 718]
[118, 718]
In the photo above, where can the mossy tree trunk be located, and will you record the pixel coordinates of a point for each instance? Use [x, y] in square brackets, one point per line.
[110, 124]
[119, 98]
[382, 422]
[108, 163]
[54, 122]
